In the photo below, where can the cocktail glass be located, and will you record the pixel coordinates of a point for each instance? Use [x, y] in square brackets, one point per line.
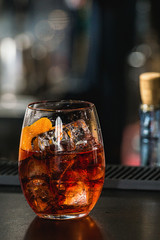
[61, 158]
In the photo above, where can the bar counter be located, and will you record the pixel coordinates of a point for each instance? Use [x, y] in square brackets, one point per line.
[118, 215]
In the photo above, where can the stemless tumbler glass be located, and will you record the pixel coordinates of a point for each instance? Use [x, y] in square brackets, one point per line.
[61, 158]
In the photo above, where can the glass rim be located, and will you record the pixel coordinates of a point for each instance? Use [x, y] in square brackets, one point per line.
[32, 107]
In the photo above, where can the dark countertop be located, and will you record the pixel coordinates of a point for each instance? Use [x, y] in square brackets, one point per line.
[118, 215]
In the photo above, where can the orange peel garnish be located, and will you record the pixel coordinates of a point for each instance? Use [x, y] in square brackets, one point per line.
[29, 132]
[24, 154]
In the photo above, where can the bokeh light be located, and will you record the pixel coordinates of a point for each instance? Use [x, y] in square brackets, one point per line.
[136, 59]
[145, 49]
[24, 41]
[8, 50]
[58, 19]
[75, 4]
[43, 31]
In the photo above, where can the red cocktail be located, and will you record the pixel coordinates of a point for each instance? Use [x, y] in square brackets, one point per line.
[61, 166]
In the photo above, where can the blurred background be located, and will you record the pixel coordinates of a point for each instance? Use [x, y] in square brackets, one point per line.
[91, 50]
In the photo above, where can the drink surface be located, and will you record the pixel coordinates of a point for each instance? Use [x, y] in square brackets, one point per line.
[57, 183]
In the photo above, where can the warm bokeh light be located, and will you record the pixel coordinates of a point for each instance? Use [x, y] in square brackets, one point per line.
[24, 41]
[58, 19]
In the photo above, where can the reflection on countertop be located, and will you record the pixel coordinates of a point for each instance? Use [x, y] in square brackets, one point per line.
[80, 229]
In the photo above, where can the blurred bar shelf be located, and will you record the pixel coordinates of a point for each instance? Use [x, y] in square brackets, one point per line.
[9, 173]
[132, 177]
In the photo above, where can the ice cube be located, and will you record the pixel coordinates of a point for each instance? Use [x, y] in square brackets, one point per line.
[43, 140]
[72, 187]
[70, 177]
[70, 137]
[80, 134]
[76, 194]
[96, 173]
[39, 195]
[36, 167]
[32, 167]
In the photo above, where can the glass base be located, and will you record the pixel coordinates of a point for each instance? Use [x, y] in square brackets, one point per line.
[62, 217]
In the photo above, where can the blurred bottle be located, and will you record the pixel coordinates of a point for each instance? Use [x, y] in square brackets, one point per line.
[150, 119]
